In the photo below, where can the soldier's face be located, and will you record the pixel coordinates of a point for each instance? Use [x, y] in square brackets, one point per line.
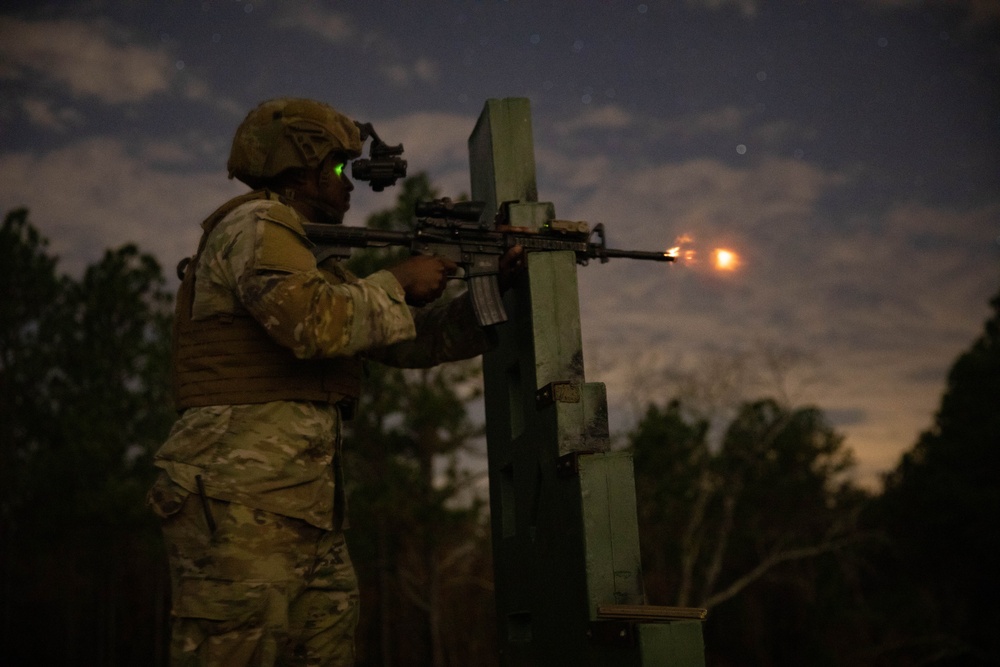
[334, 186]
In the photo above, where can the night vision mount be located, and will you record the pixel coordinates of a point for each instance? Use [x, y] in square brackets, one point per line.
[383, 165]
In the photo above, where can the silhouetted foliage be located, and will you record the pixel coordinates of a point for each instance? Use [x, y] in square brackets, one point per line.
[757, 528]
[940, 507]
[83, 405]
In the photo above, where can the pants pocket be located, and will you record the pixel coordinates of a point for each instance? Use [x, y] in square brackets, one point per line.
[227, 622]
[165, 497]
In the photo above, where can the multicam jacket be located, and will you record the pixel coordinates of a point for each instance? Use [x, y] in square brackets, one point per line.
[278, 455]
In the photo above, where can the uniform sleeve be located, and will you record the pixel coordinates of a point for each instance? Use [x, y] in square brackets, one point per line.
[445, 332]
[266, 256]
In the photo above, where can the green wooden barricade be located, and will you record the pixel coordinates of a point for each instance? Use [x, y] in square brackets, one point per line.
[568, 576]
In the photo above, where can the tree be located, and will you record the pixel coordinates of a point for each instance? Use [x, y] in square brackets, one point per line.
[941, 506]
[30, 286]
[421, 549]
[83, 403]
[749, 527]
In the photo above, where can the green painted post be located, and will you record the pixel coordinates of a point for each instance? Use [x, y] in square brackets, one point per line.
[568, 577]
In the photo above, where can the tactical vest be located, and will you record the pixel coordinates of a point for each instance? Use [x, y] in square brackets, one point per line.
[229, 359]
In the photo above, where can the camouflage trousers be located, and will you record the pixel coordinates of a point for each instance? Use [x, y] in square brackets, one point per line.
[254, 588]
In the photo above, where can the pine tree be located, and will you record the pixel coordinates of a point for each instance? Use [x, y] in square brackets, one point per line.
[82, 405]
[941, 506]
[750, 527]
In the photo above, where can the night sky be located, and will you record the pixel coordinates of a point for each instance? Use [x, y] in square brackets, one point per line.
[847, 152]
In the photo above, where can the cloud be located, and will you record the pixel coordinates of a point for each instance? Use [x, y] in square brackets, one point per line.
[435, 137]
[611, 117]
[702, 196]
[748, 8]
[404, 75]
[42, 113]
[86, 57]
[715, 121]
[312, 17]
[975, 14]
[779, 135]
[731, 122]
[91, 60]
[974, 17]
[602, 118]
[97, 194]
[398, 69]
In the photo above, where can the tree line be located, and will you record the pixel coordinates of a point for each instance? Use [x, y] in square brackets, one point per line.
[761, 522]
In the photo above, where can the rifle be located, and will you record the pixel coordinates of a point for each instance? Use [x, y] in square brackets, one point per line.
[455, 230]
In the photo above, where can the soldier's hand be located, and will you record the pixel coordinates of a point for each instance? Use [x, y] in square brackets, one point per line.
[424, 277]
[511, 265]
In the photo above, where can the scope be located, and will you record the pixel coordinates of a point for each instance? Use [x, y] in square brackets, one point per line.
[466, 211]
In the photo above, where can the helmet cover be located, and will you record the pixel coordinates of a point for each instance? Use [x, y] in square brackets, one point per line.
[286, 133]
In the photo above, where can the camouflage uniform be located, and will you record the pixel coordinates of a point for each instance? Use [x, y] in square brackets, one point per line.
[249, 492]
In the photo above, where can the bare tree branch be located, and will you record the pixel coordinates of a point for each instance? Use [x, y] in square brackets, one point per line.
[772, 561]
[725, 530]
[693, 534]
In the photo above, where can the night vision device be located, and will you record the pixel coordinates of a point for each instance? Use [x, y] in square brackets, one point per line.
[383, 166]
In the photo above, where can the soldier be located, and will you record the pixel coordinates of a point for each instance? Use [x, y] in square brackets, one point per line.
[268, 349]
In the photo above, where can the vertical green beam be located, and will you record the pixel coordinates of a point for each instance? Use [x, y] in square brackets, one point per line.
[565, 535]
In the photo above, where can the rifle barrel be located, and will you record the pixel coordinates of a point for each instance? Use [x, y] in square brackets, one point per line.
[638, 254]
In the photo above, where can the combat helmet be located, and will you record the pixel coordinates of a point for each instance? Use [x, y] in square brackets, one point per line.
[288, 133]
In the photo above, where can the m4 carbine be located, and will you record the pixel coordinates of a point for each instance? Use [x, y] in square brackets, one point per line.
[454, 230]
